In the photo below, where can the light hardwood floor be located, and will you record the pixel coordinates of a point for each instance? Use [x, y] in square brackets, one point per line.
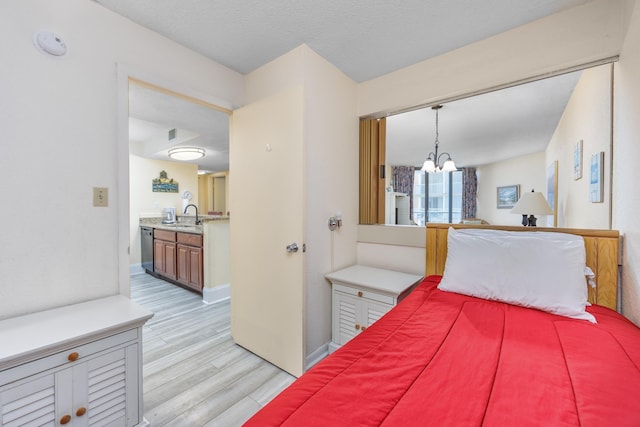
[193, 373]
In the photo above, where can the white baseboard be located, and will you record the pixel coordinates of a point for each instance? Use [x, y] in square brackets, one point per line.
[136, 269]
[333, 347]
[317, 356]
[217, 294]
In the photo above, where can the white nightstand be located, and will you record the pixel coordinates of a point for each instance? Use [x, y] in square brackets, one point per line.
[361, 295]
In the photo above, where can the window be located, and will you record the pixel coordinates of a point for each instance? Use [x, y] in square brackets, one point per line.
[437, 197]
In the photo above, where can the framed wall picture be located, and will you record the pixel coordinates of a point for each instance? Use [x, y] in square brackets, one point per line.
[596, 178]
[164, 184]
[508, 196]
[552, 193]
[577, 161]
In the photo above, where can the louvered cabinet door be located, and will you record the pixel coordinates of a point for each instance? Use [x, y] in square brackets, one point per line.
[95, 384]
[109, 382]
[361, 295]
[354, 314]
[31, 403]
[346, 317]
[372, 311]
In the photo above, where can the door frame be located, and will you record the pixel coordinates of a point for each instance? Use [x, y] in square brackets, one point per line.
[125, 73]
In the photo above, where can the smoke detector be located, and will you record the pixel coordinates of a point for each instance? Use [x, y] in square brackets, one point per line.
[50, 43]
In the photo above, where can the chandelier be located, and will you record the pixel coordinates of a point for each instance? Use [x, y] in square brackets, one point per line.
[433, 162]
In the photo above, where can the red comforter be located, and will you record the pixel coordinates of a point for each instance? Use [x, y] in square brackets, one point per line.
[443, 359]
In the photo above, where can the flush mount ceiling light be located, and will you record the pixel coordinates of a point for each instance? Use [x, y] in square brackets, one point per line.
[186, 153]
[432, 164]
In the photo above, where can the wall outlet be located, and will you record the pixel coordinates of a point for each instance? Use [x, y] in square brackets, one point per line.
[100, 196]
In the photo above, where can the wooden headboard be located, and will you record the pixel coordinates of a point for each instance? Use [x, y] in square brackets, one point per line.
[601, 246]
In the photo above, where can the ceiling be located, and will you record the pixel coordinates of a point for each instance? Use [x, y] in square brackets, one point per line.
[494, 126]
[152, 114]
[365, 39]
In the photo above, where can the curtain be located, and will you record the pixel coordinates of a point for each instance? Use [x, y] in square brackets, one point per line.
[469, 193]
[403, 183]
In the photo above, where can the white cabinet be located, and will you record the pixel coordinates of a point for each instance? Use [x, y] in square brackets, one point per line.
[89, 375]
[361, 295]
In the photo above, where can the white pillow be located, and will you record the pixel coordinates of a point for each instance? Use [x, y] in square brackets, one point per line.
[541, 270]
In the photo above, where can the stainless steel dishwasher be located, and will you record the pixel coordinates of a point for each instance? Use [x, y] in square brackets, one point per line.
[146, 249]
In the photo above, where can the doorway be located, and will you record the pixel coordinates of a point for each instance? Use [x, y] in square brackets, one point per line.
[155, 98]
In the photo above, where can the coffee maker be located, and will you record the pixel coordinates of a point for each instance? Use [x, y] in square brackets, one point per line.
[168, 215]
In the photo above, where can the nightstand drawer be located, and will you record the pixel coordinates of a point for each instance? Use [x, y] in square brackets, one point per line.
[363, 293]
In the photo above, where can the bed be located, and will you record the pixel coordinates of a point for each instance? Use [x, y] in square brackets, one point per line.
[445, 358]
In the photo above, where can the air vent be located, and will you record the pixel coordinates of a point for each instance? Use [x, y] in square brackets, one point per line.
[172, 135]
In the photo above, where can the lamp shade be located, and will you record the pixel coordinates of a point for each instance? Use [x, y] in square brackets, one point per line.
[532, 203]
[428, 166]
[449, 166]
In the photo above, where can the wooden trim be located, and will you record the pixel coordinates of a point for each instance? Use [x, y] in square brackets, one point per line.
[365, 165]
[601, 248]
[381, 163]
[372, 184]
[170, 92]
[374, 172]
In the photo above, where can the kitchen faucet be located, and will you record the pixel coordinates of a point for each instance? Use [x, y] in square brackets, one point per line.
[196, 208]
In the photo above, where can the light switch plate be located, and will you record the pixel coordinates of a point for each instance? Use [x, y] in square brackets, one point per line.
[100, 196]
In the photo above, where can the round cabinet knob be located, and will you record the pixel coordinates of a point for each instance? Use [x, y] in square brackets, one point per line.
[359, 293]
[81, 411]
[73, 356]
[357, 326]
[65, 419]
[364, 327]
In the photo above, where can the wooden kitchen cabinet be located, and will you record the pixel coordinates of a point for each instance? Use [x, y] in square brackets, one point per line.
[179, 256]
[189, 257]
[164, 253]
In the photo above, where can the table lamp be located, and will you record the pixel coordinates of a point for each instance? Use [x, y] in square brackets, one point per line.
[530, 204]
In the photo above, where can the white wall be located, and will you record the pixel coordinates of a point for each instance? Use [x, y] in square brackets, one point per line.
[331, 127]
[398, 248]
[331, 171]
[406, 259]
[626, 173]
[587, 117]
[526, 171]
[576, 36]
[60, 114]
[144, 202]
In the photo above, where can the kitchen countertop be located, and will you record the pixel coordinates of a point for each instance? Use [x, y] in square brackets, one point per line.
[183, 228]
[183, 225]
